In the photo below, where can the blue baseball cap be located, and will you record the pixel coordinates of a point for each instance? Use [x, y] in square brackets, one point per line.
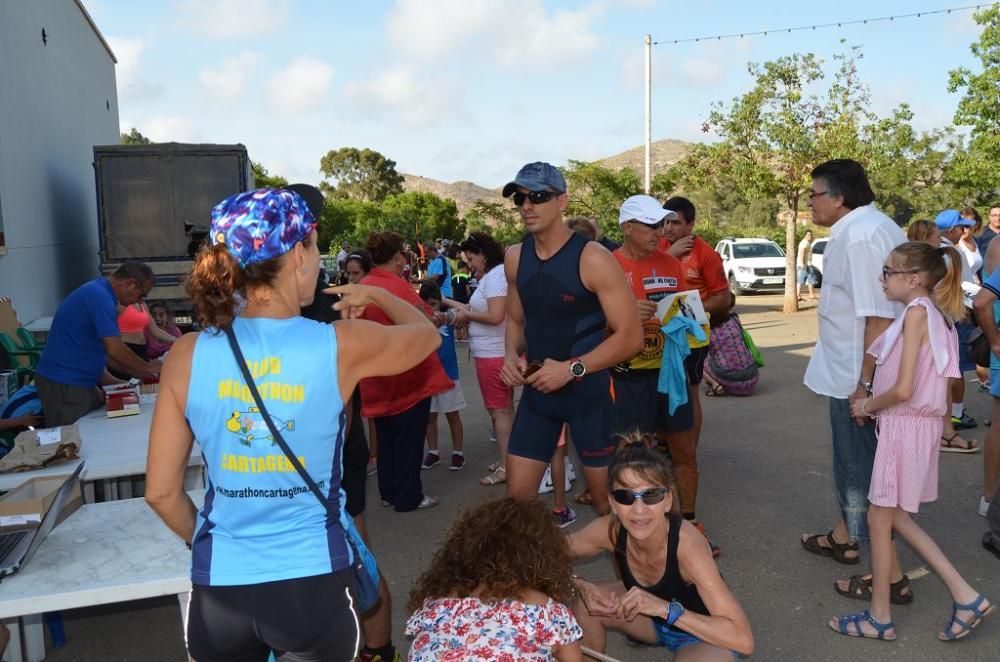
[950, 218]
[260, 225]
[537, 176]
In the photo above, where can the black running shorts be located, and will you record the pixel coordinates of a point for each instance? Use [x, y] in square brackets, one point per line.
[310, 619]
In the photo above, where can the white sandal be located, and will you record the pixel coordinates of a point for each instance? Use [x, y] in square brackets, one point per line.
[495, 477]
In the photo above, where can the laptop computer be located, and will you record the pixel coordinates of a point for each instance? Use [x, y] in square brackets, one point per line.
[17, 547]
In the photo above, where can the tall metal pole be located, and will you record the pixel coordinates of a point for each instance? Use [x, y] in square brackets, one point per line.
[649, 105]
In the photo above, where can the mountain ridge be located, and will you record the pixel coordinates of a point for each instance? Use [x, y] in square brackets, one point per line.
[663, 154]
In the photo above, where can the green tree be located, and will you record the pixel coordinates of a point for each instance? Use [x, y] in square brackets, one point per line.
[348, 220]
[361, 174]
[772, 137]
[419, 215]
[975, 168]
[598, 191]
[133, 137]
[501, 221]
[263, 179]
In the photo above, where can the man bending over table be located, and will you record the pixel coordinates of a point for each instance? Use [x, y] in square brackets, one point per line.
[84, 339]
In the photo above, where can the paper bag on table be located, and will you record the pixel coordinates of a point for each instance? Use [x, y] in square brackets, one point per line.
[34, 449]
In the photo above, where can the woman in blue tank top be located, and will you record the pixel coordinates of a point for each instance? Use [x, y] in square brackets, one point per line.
[671, 593]
[270, 565]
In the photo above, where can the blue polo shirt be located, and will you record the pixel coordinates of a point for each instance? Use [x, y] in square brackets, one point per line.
[74, 352]
[439, 267]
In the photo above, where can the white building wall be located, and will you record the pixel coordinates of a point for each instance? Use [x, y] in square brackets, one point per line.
[57, 100]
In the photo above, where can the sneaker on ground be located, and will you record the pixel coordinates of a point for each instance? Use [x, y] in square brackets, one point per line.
[965, 422]
[386, 504]
[547, 485]
[570, 474]
[430, 460]
[428, 502]
[457, 462]
[564, 517]
[984, 505]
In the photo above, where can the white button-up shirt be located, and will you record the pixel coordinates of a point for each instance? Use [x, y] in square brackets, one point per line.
[857, 249]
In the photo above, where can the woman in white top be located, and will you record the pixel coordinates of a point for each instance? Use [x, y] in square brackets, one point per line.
[486, 315]
[967, 245]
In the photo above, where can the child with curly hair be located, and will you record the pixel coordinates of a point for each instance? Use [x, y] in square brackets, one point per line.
[495, 590]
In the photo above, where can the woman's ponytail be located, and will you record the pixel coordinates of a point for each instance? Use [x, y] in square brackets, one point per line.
[212, 286]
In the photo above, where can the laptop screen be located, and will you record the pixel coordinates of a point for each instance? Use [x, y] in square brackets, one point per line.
[52, 516]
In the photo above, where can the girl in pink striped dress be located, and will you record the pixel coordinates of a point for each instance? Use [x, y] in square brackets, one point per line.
[915, 357]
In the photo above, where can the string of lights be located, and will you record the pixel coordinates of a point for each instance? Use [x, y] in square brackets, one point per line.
[818, 26]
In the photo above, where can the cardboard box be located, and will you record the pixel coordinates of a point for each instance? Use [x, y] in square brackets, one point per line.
[121, 400]
[29, 501]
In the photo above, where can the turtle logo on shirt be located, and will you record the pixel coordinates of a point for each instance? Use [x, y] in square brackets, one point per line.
[249, 426]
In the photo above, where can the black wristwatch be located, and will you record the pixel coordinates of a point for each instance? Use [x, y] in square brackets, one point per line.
[577, 369]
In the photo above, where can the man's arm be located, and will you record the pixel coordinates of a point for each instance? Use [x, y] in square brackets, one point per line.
[714, 276]
[983, 307]
[718, 302]
[874, 327]
[602, 275]
[514, 344]
[121, 355]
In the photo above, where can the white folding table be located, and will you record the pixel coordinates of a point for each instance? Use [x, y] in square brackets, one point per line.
[112, 448]
[103, 553]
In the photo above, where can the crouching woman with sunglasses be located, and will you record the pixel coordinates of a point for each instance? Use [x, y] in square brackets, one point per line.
[671, 593]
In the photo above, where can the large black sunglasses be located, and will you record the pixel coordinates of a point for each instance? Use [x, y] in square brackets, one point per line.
[649, 497]
[536, 197]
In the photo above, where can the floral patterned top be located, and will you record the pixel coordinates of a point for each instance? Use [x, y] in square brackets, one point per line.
[459, 629]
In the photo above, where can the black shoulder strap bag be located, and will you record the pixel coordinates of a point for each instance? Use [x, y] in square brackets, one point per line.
[367, 588]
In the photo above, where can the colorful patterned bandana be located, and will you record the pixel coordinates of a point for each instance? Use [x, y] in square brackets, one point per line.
[259, 225]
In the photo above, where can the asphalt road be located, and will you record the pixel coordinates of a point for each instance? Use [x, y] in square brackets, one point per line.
[765, 478]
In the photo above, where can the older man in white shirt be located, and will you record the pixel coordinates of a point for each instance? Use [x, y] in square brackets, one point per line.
[853, 311]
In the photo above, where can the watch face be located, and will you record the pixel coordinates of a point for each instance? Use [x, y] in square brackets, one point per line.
[578, 369]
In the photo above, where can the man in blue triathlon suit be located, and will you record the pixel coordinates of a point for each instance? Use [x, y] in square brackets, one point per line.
[570, 316]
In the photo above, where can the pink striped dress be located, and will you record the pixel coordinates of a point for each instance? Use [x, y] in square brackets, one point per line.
[905, 473]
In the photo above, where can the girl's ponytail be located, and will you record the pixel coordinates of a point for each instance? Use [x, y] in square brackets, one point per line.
[943, 267]
[948, 290]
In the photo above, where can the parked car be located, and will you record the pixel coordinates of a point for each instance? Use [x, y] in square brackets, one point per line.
[753, 265]
[818, 247]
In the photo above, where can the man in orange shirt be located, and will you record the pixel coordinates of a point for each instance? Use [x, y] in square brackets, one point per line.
[702, 271]
[652, 275]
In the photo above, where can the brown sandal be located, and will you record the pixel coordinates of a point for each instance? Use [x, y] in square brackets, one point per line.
[836, 550]
[583, 498]
[948, 444]
[861, 589]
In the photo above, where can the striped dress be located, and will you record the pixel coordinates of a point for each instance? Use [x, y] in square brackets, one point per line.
[905, 473]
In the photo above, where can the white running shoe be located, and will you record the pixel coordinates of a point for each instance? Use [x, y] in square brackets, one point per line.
[547, 486]
[984, 505]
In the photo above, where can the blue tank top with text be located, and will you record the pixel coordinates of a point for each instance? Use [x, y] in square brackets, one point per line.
[259, 522]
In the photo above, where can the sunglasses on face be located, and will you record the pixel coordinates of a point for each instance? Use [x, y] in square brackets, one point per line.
[649, 497]
[535, 197]
[654, 226]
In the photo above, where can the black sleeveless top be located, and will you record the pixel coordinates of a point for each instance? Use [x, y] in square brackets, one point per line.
[671, 585]
[562, 318]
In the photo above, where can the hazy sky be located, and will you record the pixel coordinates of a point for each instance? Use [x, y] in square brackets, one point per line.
[472, 89]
